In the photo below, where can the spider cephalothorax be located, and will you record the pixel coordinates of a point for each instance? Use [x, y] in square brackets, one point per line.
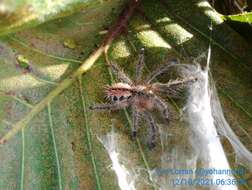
[142, 95]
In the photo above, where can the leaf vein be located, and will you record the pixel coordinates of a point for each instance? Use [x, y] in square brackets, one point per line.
[89, 140]
[54, 146]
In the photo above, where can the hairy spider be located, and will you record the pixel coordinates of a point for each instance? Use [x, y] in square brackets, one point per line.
[142, 95]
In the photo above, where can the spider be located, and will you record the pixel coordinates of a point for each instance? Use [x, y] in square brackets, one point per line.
[142, 96]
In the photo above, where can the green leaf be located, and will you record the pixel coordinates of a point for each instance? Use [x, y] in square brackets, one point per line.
[244, 17]
[17, 15]
[59, 148]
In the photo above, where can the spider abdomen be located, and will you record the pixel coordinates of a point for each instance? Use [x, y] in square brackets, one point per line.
[143, 103]
[118, 92]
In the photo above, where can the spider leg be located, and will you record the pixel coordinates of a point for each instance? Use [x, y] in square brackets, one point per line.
[139, 66]
[162, 107]
[105, 107]
[120, 74]
[161, 69]
[136, 119]
[152, 129]
[172, 88]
